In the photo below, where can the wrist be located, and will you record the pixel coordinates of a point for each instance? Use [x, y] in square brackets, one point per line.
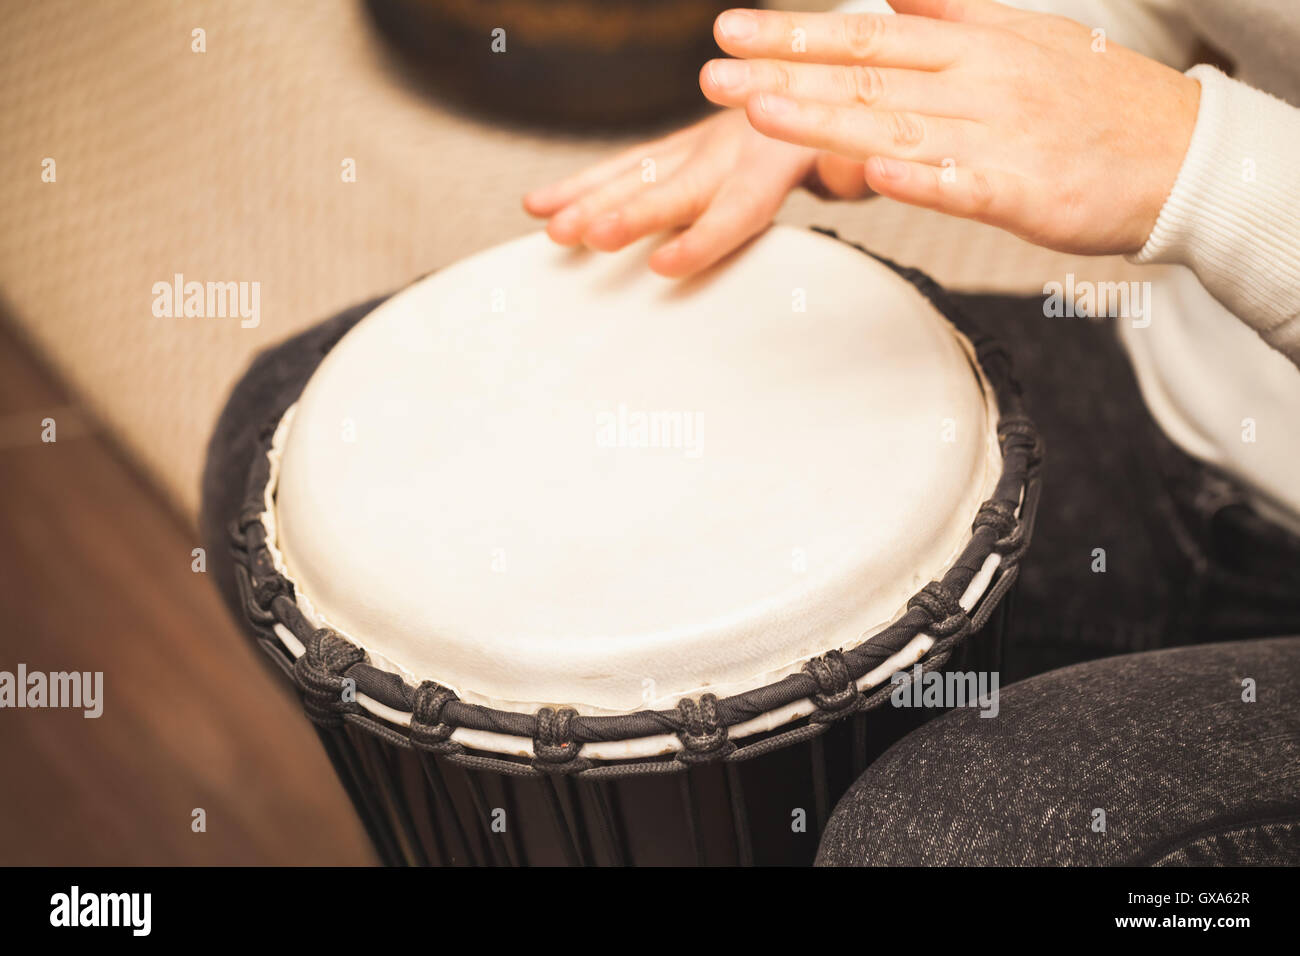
[1168, 166]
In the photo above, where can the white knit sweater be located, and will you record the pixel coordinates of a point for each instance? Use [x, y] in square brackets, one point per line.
[1233, 219]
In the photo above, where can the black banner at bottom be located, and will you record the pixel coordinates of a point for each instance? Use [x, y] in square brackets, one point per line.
[334, 905]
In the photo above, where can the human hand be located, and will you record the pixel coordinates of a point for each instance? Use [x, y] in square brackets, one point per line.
[719, 178]
[1016, 119]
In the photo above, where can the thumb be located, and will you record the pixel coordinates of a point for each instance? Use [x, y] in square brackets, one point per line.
[838, 177]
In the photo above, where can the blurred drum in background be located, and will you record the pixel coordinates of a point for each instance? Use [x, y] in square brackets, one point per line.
[575, 564]
[594, 64]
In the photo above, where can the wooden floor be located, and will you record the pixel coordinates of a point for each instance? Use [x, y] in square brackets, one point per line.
[95, 575]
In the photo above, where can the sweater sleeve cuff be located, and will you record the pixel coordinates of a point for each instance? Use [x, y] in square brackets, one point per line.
[1233, 215]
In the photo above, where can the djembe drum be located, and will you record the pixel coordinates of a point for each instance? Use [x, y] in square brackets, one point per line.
[574, 564]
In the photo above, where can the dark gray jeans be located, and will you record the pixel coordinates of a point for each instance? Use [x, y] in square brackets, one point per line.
[1184, 769]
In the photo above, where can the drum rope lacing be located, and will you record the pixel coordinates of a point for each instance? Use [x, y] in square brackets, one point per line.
[332, 671]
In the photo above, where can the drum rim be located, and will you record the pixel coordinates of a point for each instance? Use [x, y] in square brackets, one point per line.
[322, 663]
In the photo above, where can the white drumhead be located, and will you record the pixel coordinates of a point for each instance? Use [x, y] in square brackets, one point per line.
[551, 477]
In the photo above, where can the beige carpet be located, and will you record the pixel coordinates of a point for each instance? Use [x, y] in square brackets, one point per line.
[225, 165]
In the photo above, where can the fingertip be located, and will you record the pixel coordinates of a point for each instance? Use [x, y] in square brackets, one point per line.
[565, 228]
[709, 83]
[535, 203]
[606, 234]
[706, 78]
[718, 36]
[668, 261]
[885, 175]
[725, 81]
[731, 28]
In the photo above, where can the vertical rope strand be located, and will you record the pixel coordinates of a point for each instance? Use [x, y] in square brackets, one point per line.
[818, 750]
[692, 815]
[392, 761]
[859, 759]
[441, 850]
[605, 820]
[514, 846]
[346, 777]
[356, 767]
[433, 773]
[481, 809]
[739, 816]
[571, 856]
